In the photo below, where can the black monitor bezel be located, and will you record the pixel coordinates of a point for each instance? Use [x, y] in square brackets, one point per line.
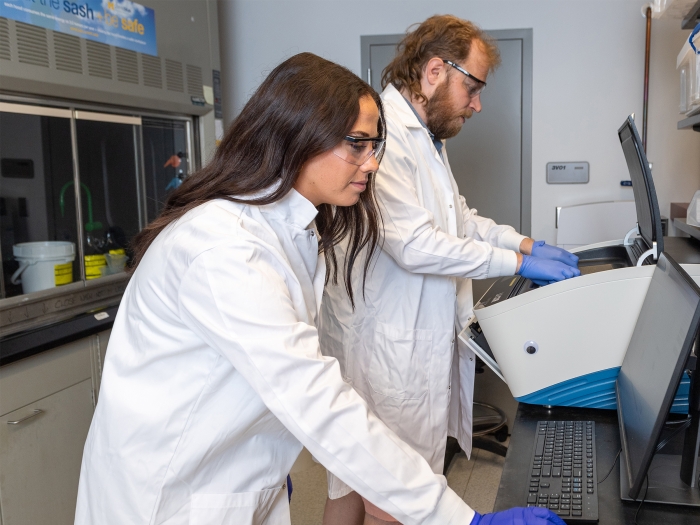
[649, 191]
[636, 484]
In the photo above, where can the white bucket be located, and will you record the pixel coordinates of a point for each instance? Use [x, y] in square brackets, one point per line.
[43, 265]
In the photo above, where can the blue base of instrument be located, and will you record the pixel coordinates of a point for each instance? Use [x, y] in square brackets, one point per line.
[596, 390]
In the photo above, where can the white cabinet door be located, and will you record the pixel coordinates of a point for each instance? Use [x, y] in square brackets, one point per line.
[99, 352]
[40, 457]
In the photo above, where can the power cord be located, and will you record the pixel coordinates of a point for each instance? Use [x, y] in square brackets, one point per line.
[682, 425]
[611, 468]
[643, 498]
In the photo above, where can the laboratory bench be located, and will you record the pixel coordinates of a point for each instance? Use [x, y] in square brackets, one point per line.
[49, 383]
[513, 490]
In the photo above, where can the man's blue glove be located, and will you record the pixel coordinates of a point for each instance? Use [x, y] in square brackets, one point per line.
[519, 516]
[543, 271]
[553, 253]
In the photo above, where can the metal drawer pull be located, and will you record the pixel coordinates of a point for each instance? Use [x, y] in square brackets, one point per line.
[35, 413]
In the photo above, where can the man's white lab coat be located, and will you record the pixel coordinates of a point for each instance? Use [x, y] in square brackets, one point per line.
[214, 380]
[397, 347]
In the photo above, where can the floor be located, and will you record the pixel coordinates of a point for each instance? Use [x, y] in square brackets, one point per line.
[476, 480]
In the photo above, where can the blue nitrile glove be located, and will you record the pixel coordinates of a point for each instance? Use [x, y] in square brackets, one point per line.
[553, 253]
[544, 271]
[518, 516]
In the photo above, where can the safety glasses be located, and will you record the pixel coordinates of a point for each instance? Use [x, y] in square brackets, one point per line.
[472, 89]
[357, 150]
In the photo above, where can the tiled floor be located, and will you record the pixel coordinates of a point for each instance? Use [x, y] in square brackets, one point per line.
[476, 480]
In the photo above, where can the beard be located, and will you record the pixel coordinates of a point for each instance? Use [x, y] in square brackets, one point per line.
[442, 120]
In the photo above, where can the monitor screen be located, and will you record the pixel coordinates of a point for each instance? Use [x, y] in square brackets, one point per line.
[656, 357]
[648, 216]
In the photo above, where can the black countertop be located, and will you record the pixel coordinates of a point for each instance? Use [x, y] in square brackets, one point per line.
[513, 490]
[25, 344]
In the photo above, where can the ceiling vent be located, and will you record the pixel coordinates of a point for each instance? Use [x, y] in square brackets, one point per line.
[32, 46]
[67, 53]
[194, 80]
[99, 59]
[152, 71]
[5, 39]
[127, 66]
[173, 75]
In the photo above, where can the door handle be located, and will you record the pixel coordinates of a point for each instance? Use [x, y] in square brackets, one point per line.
[33, 414]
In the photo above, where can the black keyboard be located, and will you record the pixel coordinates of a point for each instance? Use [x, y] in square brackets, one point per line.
[563, 473]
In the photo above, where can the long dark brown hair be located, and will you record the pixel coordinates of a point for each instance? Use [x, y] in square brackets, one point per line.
[302, 109]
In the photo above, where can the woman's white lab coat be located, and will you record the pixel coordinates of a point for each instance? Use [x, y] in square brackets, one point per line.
[396, 348]
[213, 381]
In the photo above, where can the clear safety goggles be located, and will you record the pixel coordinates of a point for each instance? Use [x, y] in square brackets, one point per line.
[358, 150]
[475, 87]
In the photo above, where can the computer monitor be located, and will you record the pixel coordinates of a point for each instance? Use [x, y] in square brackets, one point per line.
[651, 371]
[648, 215]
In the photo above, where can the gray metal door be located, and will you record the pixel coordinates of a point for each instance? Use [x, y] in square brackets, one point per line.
[491, 158]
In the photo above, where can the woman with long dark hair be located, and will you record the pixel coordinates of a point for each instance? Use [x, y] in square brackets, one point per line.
[213, 379]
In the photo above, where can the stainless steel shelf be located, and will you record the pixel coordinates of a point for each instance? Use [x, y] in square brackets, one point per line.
[683, 226]
[690, 123]
[691, 19]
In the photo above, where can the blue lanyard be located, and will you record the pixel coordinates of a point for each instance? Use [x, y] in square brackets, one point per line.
[692, 35]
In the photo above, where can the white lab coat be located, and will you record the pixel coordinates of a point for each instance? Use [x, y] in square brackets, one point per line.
[214, 380]
[396, 348]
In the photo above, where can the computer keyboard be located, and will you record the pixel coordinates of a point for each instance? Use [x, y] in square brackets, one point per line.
[563, 470]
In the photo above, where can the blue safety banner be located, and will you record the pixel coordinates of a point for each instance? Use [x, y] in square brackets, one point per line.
[120, 23]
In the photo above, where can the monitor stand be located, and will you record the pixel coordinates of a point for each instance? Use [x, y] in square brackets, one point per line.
[673, 478]
[691, 445]
[665, 485]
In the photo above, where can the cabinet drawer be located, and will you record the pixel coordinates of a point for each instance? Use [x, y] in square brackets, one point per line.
[40, 457]
[36, 377]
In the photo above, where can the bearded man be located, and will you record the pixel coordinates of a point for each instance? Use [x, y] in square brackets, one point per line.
[396, 345]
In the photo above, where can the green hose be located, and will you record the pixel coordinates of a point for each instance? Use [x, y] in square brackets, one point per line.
[90, 225]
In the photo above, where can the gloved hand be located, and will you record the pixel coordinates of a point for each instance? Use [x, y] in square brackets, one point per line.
[553, 253]
[544, 271]
[519, 516]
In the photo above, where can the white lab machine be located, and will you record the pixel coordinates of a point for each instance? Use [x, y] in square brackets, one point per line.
[590, 223]
[563, 344]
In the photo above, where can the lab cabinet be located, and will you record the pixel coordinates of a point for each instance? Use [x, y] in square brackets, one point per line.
[46, 406]
[166, 160]
[40, 457]
[35, 153]
[100, 342]
[76, 185]
[108, 165]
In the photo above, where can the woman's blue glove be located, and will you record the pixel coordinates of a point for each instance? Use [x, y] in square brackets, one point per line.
[554, 253]
[544, 271]
[519, 516]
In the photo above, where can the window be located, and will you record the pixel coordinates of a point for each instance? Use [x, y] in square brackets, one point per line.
[126, 167]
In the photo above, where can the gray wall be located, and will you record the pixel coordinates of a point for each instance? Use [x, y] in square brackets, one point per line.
[588, 72]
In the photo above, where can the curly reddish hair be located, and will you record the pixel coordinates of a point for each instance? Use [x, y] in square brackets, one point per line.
[443, 36]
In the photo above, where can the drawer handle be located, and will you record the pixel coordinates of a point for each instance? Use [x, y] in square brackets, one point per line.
[34, 414]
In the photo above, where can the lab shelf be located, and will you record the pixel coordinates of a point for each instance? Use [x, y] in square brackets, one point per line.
[692, 17]
[690, 123]
[683, 226]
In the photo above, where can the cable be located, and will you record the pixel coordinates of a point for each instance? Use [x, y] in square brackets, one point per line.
[611, 468]
[677, 422]
[642, 502]
[685, 424]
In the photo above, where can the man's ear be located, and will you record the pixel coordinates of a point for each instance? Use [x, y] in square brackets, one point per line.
[434, 70]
